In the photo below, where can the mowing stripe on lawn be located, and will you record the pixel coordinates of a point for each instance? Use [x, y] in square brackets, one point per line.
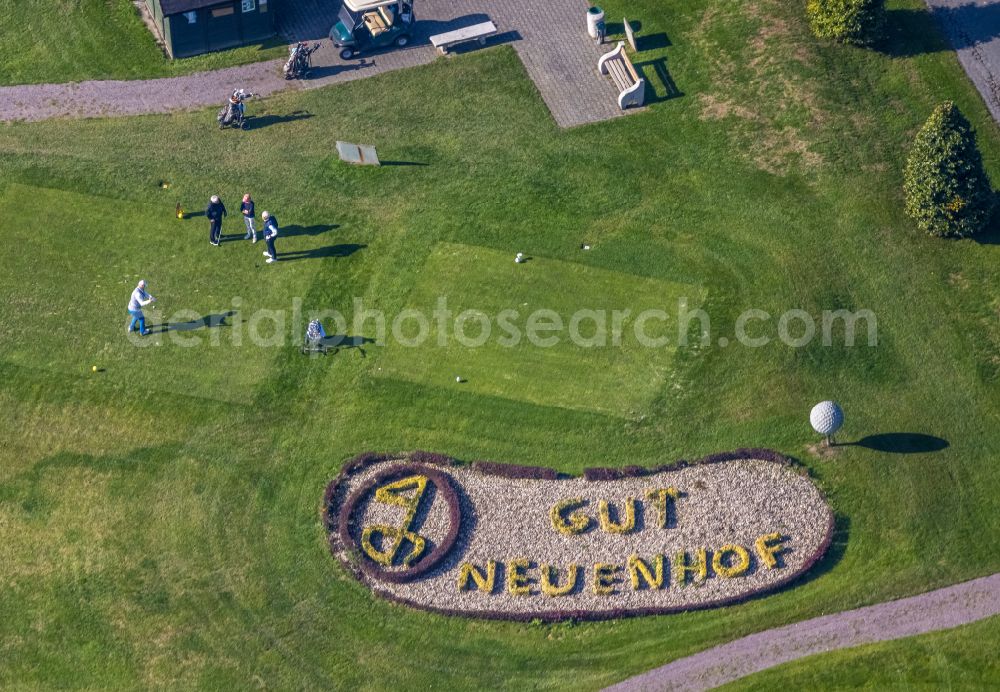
[617, 379]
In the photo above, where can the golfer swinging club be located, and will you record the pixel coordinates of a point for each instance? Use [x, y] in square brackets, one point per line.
[136, 303]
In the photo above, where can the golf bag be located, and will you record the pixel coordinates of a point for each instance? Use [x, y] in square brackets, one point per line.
[315, 334]
[299, 63]
[233, 114]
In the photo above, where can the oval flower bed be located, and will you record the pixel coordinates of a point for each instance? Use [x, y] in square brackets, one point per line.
[516, 542]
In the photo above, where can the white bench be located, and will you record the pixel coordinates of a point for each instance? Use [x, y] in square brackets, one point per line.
[623, 74]
[476, 32]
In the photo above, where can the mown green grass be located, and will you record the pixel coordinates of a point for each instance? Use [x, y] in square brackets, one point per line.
[159, 521]
[598, 363]
[73, 40]
[88, 246]
[955, 659]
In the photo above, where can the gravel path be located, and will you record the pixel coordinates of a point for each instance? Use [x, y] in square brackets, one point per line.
[936, 610]
[550, 38]
[973, 28]
[117, 97]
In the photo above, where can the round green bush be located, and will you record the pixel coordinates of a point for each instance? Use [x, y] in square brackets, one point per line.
[947, 190]
[858, 22]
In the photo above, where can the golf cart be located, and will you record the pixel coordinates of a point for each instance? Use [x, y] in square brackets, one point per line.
[367, 24]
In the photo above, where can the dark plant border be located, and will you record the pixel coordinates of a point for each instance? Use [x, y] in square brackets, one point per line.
[367, 459]
[514, 471]
[601, 473]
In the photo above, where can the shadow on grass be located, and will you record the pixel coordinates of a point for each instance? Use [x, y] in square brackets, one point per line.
[332, 345]
[25, 486]
[901, 443]
[663, 87]
[339, 250]
[615, 32]
[989, 237]
[318, 229]
[834, 553]
[652, 42]
[261, 121]
[345, 341]
[991, 234]
[207, 322]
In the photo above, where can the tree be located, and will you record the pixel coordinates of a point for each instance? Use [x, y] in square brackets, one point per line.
[947, 190]
[858, 22]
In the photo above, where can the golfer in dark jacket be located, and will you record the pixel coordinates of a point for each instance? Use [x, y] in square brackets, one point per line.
[270, 233]
[215, 211]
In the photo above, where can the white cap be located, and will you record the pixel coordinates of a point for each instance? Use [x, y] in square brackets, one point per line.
[142, 283]
[215, 198]
[266, 215]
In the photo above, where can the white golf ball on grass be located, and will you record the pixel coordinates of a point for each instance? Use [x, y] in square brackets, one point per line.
[826, 417]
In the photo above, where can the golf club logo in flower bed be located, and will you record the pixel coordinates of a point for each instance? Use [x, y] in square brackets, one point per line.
[521, 542]
[403, 521]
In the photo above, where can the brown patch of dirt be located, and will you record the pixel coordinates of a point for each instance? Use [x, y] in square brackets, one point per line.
[862, 121]
[821, 450]
[763, 88]
[716, 108]
[707, 20]
[771, 28]
[958, 279]
[802, 54]
[777, 151]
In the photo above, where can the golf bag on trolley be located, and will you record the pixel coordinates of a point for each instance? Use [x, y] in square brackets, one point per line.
[299, 63]
[313, 343]
[233, 114]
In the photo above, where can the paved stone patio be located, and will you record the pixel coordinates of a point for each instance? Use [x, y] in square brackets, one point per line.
[549, 36]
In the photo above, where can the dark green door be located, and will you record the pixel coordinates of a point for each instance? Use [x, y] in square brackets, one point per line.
[223, 26]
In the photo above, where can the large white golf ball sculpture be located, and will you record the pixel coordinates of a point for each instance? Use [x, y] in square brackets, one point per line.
[826, 417]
